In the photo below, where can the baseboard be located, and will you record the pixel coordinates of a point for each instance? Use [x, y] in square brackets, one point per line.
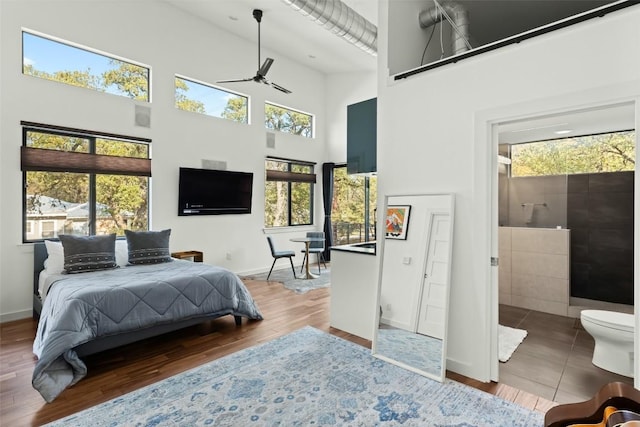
[462, 369]
[390, 322]
[16, 315]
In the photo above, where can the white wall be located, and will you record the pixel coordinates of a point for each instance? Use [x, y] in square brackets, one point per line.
[170, 42]
[344, 89]
[432, 119]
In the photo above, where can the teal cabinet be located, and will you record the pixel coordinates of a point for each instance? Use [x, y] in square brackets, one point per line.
[361, 136]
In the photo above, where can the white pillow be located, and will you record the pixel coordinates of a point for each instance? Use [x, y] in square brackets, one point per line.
[122, 253]
[54, 263]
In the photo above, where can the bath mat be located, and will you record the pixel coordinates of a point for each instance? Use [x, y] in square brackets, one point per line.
[508, 341]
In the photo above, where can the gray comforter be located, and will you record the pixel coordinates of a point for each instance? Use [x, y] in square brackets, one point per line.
[81, 307]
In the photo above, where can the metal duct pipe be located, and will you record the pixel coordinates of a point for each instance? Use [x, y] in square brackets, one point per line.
[459, 18]
[341, 20]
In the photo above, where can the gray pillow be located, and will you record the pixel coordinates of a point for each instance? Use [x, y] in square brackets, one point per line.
[88, 253]
[148, 247]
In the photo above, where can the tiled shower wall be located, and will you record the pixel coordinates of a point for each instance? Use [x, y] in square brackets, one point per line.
[600, 216]
[598, 209]
[534, 268]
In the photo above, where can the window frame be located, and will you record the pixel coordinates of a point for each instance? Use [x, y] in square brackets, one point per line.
[31, 156]
[290, 177]
[312, 117]
[98, 52]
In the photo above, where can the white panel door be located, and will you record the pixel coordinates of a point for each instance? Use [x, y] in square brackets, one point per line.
[432, 312]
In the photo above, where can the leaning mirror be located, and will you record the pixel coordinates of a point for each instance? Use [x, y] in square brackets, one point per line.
[413, 290]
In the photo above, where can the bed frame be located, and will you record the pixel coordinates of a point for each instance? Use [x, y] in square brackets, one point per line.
[111, 341]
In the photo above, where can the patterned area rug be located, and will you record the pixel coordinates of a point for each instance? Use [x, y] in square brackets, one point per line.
[305, 378]
[300, 286]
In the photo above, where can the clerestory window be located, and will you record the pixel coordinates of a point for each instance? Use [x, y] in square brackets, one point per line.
[203, 98]
[63, 62]
[283, 119]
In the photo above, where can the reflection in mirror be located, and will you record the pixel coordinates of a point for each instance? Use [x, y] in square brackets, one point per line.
[413, 291]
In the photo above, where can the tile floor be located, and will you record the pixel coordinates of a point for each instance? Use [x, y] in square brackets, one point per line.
[554, 360]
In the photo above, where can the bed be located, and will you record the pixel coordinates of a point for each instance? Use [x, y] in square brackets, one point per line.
[82, 314]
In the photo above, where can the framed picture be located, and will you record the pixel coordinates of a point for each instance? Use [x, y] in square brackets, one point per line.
[397, 222]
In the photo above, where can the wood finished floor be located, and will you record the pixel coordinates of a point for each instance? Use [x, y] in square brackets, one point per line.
[118, 371]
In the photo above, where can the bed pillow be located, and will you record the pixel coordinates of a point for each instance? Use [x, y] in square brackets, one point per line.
[122, 253]
[88, 253]
[54, 263]
[148, 247]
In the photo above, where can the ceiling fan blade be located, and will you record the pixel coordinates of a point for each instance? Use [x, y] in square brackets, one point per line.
[280, 88]
[264, 69]
[235, 81]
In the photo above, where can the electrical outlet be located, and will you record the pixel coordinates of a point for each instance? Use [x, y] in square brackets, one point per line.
[228, 256]
[388, 307]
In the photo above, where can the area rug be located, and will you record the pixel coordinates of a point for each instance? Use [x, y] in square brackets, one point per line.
[508, 341]
[305, 378]
[300, 286]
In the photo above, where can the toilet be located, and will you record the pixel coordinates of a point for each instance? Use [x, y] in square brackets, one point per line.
[613, 334]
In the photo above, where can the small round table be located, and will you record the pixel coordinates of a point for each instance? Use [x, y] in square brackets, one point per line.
[307, 241]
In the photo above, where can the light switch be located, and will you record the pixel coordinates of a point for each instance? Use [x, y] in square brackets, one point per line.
[406, 260]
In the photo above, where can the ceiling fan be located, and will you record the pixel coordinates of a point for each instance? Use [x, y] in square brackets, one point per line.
[261, 74]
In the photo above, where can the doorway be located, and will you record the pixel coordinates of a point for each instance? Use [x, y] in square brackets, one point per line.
[531, 121]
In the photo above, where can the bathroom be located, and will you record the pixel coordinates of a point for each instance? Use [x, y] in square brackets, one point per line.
[566, 240]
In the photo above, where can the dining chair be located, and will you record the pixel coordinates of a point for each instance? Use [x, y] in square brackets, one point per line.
[315, 247]
[276, 254]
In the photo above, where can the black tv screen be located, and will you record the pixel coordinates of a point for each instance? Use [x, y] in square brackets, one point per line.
[214, 192]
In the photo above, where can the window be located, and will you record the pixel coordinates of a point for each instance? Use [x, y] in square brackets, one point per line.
[353, 213]
[608, 152]
[288, 192]
[84, 183]
[204, 99]
[62, 62]
[287, 120]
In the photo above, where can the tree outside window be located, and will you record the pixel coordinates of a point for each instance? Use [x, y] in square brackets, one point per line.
[608, 152]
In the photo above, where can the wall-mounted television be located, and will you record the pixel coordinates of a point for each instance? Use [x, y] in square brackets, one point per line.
[214, 192]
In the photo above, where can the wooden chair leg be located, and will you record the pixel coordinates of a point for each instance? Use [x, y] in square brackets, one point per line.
[274, 263]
